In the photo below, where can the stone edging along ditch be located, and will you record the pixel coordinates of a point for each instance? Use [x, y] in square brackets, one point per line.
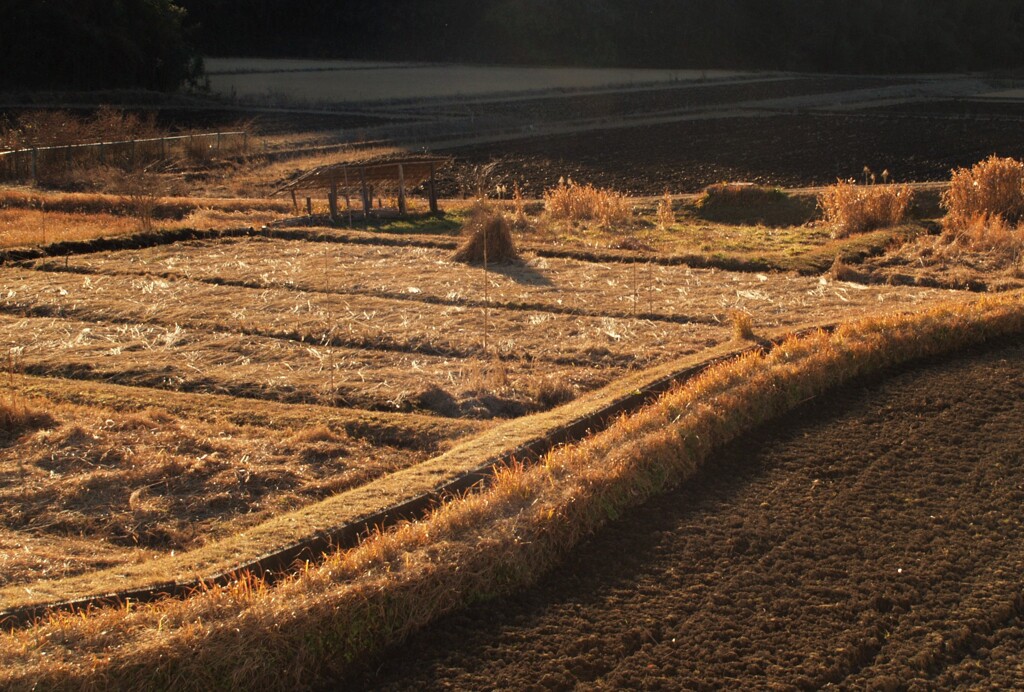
[405, 495]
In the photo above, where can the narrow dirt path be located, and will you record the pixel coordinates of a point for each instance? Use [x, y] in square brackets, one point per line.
[873, 539]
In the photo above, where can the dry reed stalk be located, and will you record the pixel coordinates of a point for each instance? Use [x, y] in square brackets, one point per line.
[851, 208]
[335, 615]
[665, 214]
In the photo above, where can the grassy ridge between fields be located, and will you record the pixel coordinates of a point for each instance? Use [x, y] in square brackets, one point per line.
[341, 613]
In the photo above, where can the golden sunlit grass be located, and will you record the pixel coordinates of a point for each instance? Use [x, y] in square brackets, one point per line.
[22, 227]
[334, 615]
[35, 217]
[570, 201]
[850, 208]
[18, 416]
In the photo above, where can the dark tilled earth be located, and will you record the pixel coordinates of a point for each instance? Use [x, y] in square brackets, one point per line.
[791, 150]
[872, 539]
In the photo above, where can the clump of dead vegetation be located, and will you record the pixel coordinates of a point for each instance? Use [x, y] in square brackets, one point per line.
[665, 215]
[18, 417]
[984, 212]
[749, 203]
[487, 238]
[851, 208]
[991, 188]
[570, 201]
[46, 128]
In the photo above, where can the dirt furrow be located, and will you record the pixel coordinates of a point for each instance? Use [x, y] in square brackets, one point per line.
[870, 539]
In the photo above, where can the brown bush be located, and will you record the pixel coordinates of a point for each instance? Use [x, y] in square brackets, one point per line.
[991, 188]
[487, 239]
[852, 208]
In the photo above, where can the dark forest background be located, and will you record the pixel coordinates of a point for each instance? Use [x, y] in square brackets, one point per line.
[155, 43]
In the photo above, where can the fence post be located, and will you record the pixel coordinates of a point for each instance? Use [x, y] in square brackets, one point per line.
[218, 142]
[35, 164]
[245, 143]
[132, 162]
[67, 160]
[401, 190]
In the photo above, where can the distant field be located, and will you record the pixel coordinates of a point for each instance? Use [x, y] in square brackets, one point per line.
[342, 81]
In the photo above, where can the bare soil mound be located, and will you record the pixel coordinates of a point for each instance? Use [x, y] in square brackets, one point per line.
[873, 539]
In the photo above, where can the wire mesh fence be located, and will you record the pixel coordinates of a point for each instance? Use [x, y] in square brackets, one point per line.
[46, 162]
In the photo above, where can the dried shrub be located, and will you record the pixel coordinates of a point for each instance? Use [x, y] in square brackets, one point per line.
[991, 188]
[487, 239]
[852, 208]
[570, 201]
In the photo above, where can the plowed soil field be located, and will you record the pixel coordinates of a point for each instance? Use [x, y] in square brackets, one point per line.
[791, 150]
[872, 539]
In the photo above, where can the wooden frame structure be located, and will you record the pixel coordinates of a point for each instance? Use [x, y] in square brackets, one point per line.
[365, 179]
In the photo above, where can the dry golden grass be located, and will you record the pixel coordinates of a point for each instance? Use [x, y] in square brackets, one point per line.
[573, 202]
[850, 208]
[18, 416]
[334, 615]
[23, 227]
[40, 128]
[167, 207]
[991, 188]
[35, 217]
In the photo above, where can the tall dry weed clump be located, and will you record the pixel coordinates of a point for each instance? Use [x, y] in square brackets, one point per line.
[850, 208]
[990, 188]
[665, 214]
[487, 238]
[571, 201]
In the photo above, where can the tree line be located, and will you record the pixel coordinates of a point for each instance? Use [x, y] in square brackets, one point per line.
[817, 35]
[95, 44]
[156, 44]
